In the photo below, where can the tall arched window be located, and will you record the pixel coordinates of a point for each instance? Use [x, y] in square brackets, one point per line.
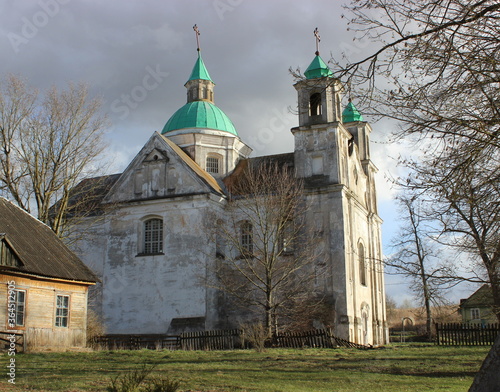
[153, 236]
[362, 264]
[246, 238]
[315, 104]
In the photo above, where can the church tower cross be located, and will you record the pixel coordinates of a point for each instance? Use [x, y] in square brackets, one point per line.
[197, 32]
[318, 38]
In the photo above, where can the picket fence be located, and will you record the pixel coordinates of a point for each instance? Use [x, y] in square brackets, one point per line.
[221, 340]
[455, 334]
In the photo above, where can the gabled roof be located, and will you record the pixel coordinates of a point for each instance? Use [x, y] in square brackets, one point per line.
[480, 298]
[202, 174]
[40, 251]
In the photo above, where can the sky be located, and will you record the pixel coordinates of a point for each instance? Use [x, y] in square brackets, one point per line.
[137, 55]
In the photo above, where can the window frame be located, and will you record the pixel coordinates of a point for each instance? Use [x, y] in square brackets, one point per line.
[246, 238]
[17, 312]
[152, 237]
[287, 233]
[475, 312]
[62, 313]
[213, 160]
[362, 264]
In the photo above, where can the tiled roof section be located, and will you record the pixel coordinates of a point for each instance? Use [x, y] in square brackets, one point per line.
[206, 177]
[482, 297]
[281, 160]
[40, 251]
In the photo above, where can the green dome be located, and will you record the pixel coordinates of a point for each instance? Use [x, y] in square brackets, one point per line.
[317, 69]
[199, 114]
[351, 114]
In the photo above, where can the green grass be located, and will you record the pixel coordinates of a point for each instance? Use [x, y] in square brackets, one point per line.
[395, 368]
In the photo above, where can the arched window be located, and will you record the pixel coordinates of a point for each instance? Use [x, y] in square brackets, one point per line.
[362, 264]
[212, 165]
[315, 104]
[246, 238]
[153, 236]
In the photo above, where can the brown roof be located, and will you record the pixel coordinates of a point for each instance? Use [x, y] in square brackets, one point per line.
[482, 297]
[40, 251]
[285, 161]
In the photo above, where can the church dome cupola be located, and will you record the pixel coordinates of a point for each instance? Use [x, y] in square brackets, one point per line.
[317, 69]
[351, 114]
[199, 113]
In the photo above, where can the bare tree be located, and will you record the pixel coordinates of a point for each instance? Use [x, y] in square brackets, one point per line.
[416, 258]
[267, 258]
[48, 146]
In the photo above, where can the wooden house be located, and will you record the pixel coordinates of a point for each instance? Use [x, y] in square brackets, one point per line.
[478, 308]
[43, 285]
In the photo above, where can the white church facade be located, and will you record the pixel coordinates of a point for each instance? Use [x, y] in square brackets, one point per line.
[156, 241]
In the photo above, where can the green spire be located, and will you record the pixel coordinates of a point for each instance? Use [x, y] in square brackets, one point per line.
[351, 114]
[317, 69]
[199, 70]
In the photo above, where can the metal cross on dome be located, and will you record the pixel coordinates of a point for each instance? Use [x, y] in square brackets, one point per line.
[318, 38]
[197, 32]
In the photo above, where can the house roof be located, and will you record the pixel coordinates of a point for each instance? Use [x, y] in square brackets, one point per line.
[253, 164]
[40, 251]
[482, 297]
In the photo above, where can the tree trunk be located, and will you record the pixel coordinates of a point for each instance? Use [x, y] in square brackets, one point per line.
[488, 377]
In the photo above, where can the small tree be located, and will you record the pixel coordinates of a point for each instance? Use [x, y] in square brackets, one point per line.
[266, 252]
[416, 258]
[48, 146]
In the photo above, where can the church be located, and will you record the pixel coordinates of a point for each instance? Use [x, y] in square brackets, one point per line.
[150, 238]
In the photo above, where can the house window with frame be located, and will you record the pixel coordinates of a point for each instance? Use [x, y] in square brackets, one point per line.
[212, 165]
[246, 238]
[20, 307]
[62, 311]
[475, 314]
[362, 264]
[153, 236]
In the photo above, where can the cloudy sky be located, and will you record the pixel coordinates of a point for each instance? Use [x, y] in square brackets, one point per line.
[137, 55]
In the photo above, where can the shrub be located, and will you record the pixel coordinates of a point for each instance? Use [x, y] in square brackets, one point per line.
[135, 381]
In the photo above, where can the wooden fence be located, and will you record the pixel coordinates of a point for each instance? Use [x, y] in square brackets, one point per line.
[318, 338]
[135, 342]
[453, 334]
[212, 340]
[12, 341]
[220, 340]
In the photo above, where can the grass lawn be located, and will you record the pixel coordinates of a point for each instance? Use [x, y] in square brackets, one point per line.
[395, 368]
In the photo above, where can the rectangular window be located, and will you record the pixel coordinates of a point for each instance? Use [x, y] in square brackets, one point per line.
[62, 310]
[287, 237]
[475, 314]
[153, 236]
[212, 165]
[247, 238]
[20, 301]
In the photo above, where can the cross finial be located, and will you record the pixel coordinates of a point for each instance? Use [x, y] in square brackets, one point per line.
[316, 34]
[197, 32]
